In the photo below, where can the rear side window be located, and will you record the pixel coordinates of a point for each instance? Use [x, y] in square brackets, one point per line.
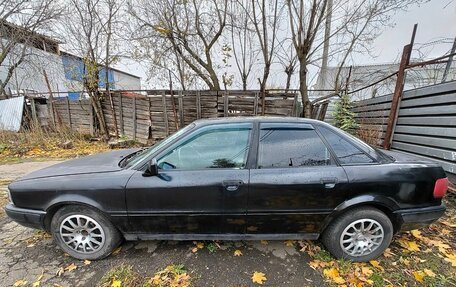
[346, 152]
[291, 147]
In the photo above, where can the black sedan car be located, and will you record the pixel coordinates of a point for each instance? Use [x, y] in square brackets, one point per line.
[235, 179]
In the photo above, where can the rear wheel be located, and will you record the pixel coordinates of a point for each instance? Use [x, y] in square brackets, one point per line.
[84, 233]
[361, 234]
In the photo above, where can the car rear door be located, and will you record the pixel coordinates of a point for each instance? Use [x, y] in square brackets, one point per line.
[201, 188]
[295, 183]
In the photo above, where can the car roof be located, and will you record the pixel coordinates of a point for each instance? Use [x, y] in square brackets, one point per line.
[268, 119]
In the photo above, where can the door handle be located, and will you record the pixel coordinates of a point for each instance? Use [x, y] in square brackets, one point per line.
[329, 182]
[232, 185]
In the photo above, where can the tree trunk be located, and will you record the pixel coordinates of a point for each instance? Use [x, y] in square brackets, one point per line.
[96, 104]
[244, 82]
[303, 89]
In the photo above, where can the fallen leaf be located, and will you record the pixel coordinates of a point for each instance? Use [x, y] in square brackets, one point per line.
[416, 233]
[71, 267]
[117, 250]
[20, 283]
[289, 243]
[419, 275]
[258, 277]
[388, 253]
[36, 284]
[116, 283]
[199, 245]
[264, 242]
[448, 224]
[194, 249]
[376, 264]
[366, 271]
[451, 258]
[409, 245]
[237, 252]
[429, 272]
[333, 275]
[60, 271]
[87, 262]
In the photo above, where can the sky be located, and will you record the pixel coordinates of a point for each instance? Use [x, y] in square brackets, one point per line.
[436, 21]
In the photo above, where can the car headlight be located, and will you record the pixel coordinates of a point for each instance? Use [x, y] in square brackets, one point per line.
[9, 195]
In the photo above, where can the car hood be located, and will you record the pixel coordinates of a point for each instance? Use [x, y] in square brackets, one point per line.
[102, 162]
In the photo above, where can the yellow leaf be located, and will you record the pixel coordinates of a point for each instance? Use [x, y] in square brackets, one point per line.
[429, 272]
[200, 245]
[71, 267]
[87, 262]
[117, 250]
[289, 243]
[367, 271]
[258, 277]
[60, 271]
[388, 253]
[451, 258]
[333, 274]
[20, 283]
[116, 283]
[264, 242]
[409, 245]
[419, 275]
[404, 261]
[194, 249]
[376, 264]
[416, 233]
[36, 284]
[448, 224]
[237, 252]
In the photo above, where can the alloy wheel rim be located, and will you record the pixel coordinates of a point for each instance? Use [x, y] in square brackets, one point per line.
[362, 237]
[82, 234]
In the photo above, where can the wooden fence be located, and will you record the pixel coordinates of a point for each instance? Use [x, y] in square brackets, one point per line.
[426, 123]
[155, 114]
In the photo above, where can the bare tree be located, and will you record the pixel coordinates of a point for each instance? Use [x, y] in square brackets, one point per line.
[190, 28]
[265, 18]
[242, 40]
[89, 33]
[21, 25]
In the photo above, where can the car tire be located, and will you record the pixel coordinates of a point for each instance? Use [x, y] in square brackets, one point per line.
[359, 235]
[84, 233]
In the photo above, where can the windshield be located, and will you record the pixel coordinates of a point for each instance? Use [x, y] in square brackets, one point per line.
[151, 150]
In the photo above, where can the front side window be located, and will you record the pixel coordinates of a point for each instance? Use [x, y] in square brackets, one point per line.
[346, 152]
[211, 147]
[291, 147]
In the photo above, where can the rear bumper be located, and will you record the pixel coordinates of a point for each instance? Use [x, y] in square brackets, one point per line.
[26, 217]
[419, 217]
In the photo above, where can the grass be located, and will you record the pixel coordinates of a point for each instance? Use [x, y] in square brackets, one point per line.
[39, 144]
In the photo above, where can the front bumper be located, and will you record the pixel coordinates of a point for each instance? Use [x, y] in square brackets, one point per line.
[26, 217]
[415, 218]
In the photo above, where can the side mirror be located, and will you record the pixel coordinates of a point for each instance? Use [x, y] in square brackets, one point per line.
[152, 168]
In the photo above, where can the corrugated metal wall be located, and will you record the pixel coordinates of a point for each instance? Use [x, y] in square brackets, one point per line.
[11, 111]
[426, 124]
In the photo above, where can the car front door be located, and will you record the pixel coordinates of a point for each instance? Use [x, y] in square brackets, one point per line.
[202, 184]
[292, 187]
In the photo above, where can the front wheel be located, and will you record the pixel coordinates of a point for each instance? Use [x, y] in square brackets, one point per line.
[360, 235]
[84, 233]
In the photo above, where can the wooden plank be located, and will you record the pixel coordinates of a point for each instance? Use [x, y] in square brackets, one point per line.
[424, 140]
[435, 131]
[68, 112]
[198, 105]
[181, 109]
[255, 104]
[165, 114]
[436, 110]
[430, 100]
[121, 121]
[134, 117]
[34, 114]
[427, 151]
[225, 104]
[428, 121]
[429, 90]
[92, 127]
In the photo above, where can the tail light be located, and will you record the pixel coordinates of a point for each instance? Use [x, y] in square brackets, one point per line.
[440, 187]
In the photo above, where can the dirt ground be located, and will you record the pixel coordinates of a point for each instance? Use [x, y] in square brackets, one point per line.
[28, 256]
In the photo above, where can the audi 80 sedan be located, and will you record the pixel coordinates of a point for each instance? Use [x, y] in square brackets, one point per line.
[235, 179]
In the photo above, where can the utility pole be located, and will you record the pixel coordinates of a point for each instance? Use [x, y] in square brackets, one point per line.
[450, 60]
[324, 62]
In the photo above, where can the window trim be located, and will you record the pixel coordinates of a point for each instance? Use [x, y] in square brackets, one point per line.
[348, 140]
[187, 137]
[290, 126]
